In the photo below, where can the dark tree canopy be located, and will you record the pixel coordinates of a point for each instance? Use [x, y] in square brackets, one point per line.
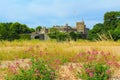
[97, 29]
[11, 31]
[112, 19]
[63, 36]
[38, 28]
[111, 24]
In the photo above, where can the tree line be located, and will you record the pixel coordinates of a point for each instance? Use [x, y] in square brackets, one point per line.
[12, 31]
[63, 36]
[109, 28]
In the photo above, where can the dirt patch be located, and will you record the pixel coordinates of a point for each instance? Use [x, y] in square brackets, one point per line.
[5, 64]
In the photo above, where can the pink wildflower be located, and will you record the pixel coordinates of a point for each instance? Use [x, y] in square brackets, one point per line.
[108, 72]
[94, 52]
[91, 74]
[37, 71]
[88, 52]
[88, 70]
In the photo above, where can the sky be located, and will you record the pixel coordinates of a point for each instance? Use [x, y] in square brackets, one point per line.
[56, 12]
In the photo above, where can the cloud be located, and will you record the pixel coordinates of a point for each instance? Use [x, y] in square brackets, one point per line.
[53, 12]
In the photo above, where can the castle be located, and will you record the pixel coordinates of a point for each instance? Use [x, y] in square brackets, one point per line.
[80, 27]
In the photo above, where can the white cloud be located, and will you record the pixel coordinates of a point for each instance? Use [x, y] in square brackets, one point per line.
[48, 12]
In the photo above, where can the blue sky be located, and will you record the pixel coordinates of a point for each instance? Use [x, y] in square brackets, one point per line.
[56, 12]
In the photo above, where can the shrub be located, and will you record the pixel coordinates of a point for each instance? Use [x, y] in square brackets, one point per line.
[25, 36]
[97, 65]
[95, 71]
[39, 70]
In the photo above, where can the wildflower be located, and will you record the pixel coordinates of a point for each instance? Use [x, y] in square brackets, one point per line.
[108, 53]
[108, 71]
[89, 52]
[17, 63]
[79, 55]
[41, 53]
[94, 52]
[87, 70]
[102, 53]
[57, 61]
[37, 71]
[46, 53]
[109, 62]
[91, 74]
[30, 63]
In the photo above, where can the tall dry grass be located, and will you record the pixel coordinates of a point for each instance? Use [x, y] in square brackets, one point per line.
[56, 53]
[25, 49]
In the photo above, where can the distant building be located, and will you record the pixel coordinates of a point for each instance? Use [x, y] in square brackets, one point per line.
[80, 27]
[65, 28]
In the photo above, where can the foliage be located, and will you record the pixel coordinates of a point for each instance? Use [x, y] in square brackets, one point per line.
[73, 35]
[63, 36]
[38, 28]
[97, 65]
[116, 33]
[24, 36]
[11, 31]
[111, 24]
[98, 28]
[95, 71]
[20, 28]
[53, 33]
[6, 33]
[111, 20]
[32, 30]
[39, 70]
[56, 34]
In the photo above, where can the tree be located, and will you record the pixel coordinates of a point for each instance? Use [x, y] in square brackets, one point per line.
[116, 33]
[61, 36]
[38, 28]
[97, 29]
[11, 31]
[20, 28]
[73, 35]
[111, 20]
[6, 33]
[32, 29]
[53, 33]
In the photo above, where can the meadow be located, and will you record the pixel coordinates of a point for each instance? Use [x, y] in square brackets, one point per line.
[56, 53]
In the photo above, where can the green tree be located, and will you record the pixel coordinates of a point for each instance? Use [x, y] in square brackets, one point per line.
[74, 36]
[116, 33]
[111, 20]
[20, 28]
[97, 29]
[53, 33]
[61, 36]
[38, 28]
[6, 33]
[11, 31]
[32, 29]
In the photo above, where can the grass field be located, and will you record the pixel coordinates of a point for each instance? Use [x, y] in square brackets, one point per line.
[52, 51]
[24, 49]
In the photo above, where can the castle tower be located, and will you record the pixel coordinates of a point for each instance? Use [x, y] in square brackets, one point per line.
[44, 30]
[80, 26]
[66, 26]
